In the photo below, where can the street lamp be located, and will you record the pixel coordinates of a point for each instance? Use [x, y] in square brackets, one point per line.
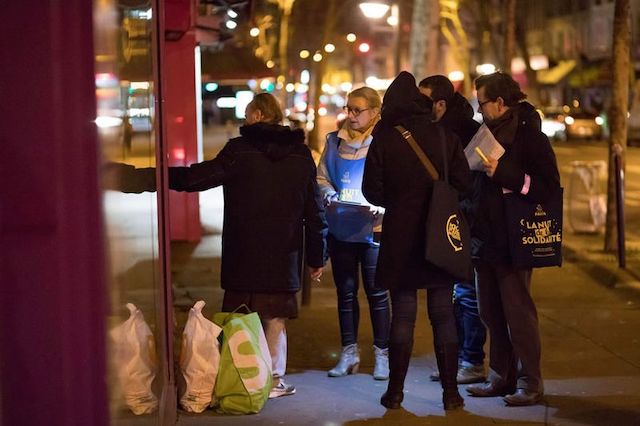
[329, 48]
[374, 9]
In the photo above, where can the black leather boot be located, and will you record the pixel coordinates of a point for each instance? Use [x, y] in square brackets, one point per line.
[399, 356]
[392, 400]
[447, 359]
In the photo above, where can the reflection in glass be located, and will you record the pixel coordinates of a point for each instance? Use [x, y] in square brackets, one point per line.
[125, 118]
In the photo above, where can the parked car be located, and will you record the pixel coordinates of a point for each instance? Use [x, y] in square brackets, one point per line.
[583, 125]
[553, 124]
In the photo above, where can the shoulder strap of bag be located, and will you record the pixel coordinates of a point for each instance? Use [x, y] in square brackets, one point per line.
[419, 152]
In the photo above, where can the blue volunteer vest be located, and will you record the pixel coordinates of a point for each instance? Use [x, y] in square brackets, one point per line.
[349, 219]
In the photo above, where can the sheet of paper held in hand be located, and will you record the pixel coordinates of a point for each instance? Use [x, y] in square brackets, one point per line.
[487, 143]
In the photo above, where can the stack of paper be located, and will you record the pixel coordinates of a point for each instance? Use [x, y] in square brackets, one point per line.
[483, 142]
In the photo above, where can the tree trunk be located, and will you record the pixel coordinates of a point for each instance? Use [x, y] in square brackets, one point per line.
[286, 6]
[419, 39]
[510, 34]
[285, 9]
[533, 89]
[457, 39]
[618, 111]
[329, 27]
[433, 57]
[424, 44]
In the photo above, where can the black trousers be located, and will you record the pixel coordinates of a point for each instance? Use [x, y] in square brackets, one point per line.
[507, 309]
[404, 305]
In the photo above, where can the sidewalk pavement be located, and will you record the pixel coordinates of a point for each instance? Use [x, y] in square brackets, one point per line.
[589, 323]
[589, 314]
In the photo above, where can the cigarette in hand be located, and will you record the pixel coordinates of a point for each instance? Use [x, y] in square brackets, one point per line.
[481, 154]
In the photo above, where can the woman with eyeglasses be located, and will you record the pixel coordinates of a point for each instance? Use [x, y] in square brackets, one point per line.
[353, 225]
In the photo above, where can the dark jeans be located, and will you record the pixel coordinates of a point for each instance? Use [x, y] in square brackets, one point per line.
[471, 331]
[508, 310]
[345, 259]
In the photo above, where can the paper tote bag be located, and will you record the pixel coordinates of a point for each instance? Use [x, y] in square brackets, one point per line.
[535, 230]
[447, 233]
[244, 378]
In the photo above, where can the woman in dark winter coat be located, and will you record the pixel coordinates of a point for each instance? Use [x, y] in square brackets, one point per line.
[395, 178]
[270, 198]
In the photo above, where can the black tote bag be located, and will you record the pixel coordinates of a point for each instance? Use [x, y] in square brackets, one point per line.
[448, 238]
[534, 230]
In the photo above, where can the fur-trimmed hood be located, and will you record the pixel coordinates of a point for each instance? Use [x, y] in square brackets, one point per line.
[274, 140]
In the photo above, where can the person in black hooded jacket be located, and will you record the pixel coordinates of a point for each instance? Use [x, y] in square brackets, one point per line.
[528, 167]
[270, 199]
[455, 113]
[395, 178]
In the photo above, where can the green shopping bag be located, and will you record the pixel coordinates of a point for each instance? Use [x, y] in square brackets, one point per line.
[244, 376]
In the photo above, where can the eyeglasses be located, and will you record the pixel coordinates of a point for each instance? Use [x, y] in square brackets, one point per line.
[355, 111]
[481, 104]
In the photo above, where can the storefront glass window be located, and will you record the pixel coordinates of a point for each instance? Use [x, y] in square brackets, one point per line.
[125, 93]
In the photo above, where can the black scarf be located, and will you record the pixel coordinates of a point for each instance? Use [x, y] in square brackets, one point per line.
[504, 128]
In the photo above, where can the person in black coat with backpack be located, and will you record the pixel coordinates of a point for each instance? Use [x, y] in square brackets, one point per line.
[395, 178]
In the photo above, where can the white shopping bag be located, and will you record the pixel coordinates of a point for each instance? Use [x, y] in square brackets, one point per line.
[134, 358]
[199, 360]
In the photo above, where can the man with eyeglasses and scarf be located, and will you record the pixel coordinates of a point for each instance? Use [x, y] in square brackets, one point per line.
[528, 167]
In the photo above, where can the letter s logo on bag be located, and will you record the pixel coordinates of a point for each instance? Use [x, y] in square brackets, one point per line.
[252, 360]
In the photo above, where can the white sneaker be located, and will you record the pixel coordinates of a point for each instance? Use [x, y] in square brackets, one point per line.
[281, 389]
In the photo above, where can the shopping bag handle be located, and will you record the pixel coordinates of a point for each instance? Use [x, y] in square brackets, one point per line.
[235, 311]
[246, 308]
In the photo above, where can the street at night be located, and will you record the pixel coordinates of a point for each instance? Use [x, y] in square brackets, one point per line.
[320, 213]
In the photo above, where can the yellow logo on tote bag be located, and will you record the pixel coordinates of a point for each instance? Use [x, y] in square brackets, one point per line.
[453, 232]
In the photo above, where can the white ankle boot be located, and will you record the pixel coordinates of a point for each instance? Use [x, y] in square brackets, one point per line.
[381, 367]
[348, 363]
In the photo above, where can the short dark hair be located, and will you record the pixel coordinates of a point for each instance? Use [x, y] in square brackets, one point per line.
[441, 87]
[500, 84]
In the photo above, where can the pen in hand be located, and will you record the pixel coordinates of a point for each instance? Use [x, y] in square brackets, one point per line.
[481, 154]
